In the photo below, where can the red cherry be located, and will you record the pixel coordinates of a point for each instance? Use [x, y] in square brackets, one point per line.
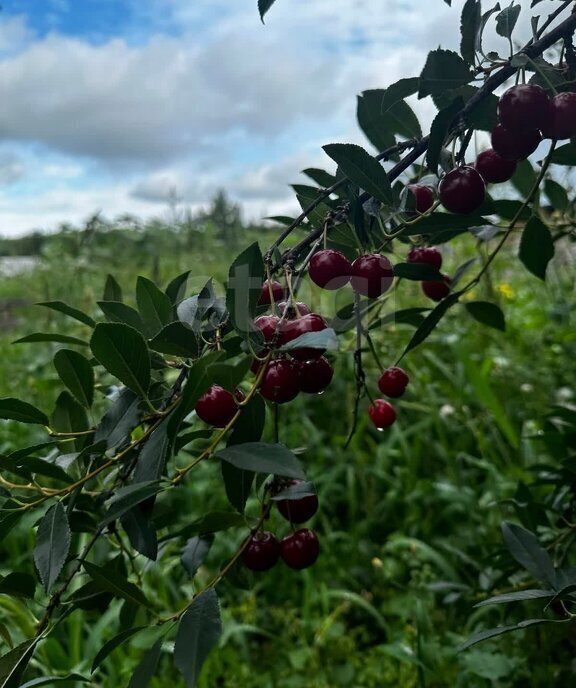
[382, 413]
[524, 107]
[296, 310]
[217, 406]
[268, 324]
[393, 382]
[425, 254]
[514, 145]
[562, 123]
[280, 381]
[494, 168]
[314, 376]
[423, 195]
[277, 292]
[261, 552]
[462, 190]
[292, 329]
[298, 510]
[437, 290]
[300, 549]
[372, 275]
[330, 269]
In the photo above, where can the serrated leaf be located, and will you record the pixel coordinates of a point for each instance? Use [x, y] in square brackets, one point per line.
[469, 27]
[244, 285]
[484, 20]
[52, 545]
[536, 247]
[153, 304]
[439, 131]
[506, 20]
[147, 666]
[141, 531]
[517, 596]
[260, 457]
[444, 70]
[430, 322]
[114, 582]
[112, 290]
[118, 312]
[64, 308]
[21, 411]
[119, 421]
[380, 118]
[176, 340]
[50, 337]
[128, 497]
[493, 632]
[123, 352]
[362, 169]
[418, 272]
[198, 633]
[528, 552]
[77, 374]
[194, 552]
[177, 287]
[113, 643]
[487, 313]
[154, 454]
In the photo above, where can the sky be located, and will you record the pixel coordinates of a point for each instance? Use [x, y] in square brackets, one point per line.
[119, 106]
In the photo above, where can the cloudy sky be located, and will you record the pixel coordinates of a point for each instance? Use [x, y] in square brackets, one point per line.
[115, 105]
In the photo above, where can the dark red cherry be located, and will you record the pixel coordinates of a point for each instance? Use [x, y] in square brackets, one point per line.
[425, 254]
[524, 107]
[372, 275]
[298, 510]
[261, 552]
[217, 406]
[280, 381]
[315, 375]
[382, 413]
[562, 123]
[437, 290]
[278, 293]
[494, 168]
[514, 145]
[462, 190]
[300, 549]
[393, 382]
[423, 195]
[292, 329]
[268, 324]
[295, 310]
[330, 269]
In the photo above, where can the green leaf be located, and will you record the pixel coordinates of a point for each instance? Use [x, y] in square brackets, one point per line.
[154, 454]
[557, 195]
[487, 313]
[380, 119]
[439, 132]
[444, 70]
[264, 6]
[141, 531]
[118, 422]
[176, 340]
[438, 223]
[52, 545]
[230, 376]
[147, 666]
[484, 20]
[506, 20]
[114, 582]
[525, 548]
[324, 339]
[194, 553]
[430, 322]
[469, 27]
[493, 632]
[26, 467]
[128, 497]
[517, 596]
[13, 664]
[118, 312]
[9, 520]
[51, 680]
[177, 288]
[77, 374]
[14, 409]
[50, 337]
[245, 279]
[213, 522]
[154, 306]
[68, 415]
[112, 290]
[321, 177]
[362, 169]
[123, 352]
[62, 307]
[536, 247]
[260, 457]
[524, 178]
[18, 584]
[113, 643]
[565, 155]
[198, 633]
[417, 272]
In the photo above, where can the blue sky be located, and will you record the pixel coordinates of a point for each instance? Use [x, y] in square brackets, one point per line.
[114, 106]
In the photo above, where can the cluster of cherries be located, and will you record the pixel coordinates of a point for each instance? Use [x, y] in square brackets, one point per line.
[299, 549]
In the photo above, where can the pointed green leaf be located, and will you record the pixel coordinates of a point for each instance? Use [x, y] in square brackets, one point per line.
[141, 531]
[264, 6]
[154, 454]
[194, 552]
[116, 583]
[260, 457]
[77, 374]
[62, 307]
[68, 415]
[128, 497]
[154, 306]
[120, 420]
[321, 177]
[487, 313]
[430, 322]
[469, 27]
[199, 631]
[50, 337]
[245, 279]
[557, 195]
[493, 632]
[444, 70]
[123, 352]
[147, 667]
[118, 312]
[506, 20]
[536, 247]
[112, 290]
[176, 340]
[14, 409]
[52, 545]
[517, 596]
[176, 289]
[565, 155]
[113, 643]
[439, 132]
[362, 169]
[13, 664]
[528, 552]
